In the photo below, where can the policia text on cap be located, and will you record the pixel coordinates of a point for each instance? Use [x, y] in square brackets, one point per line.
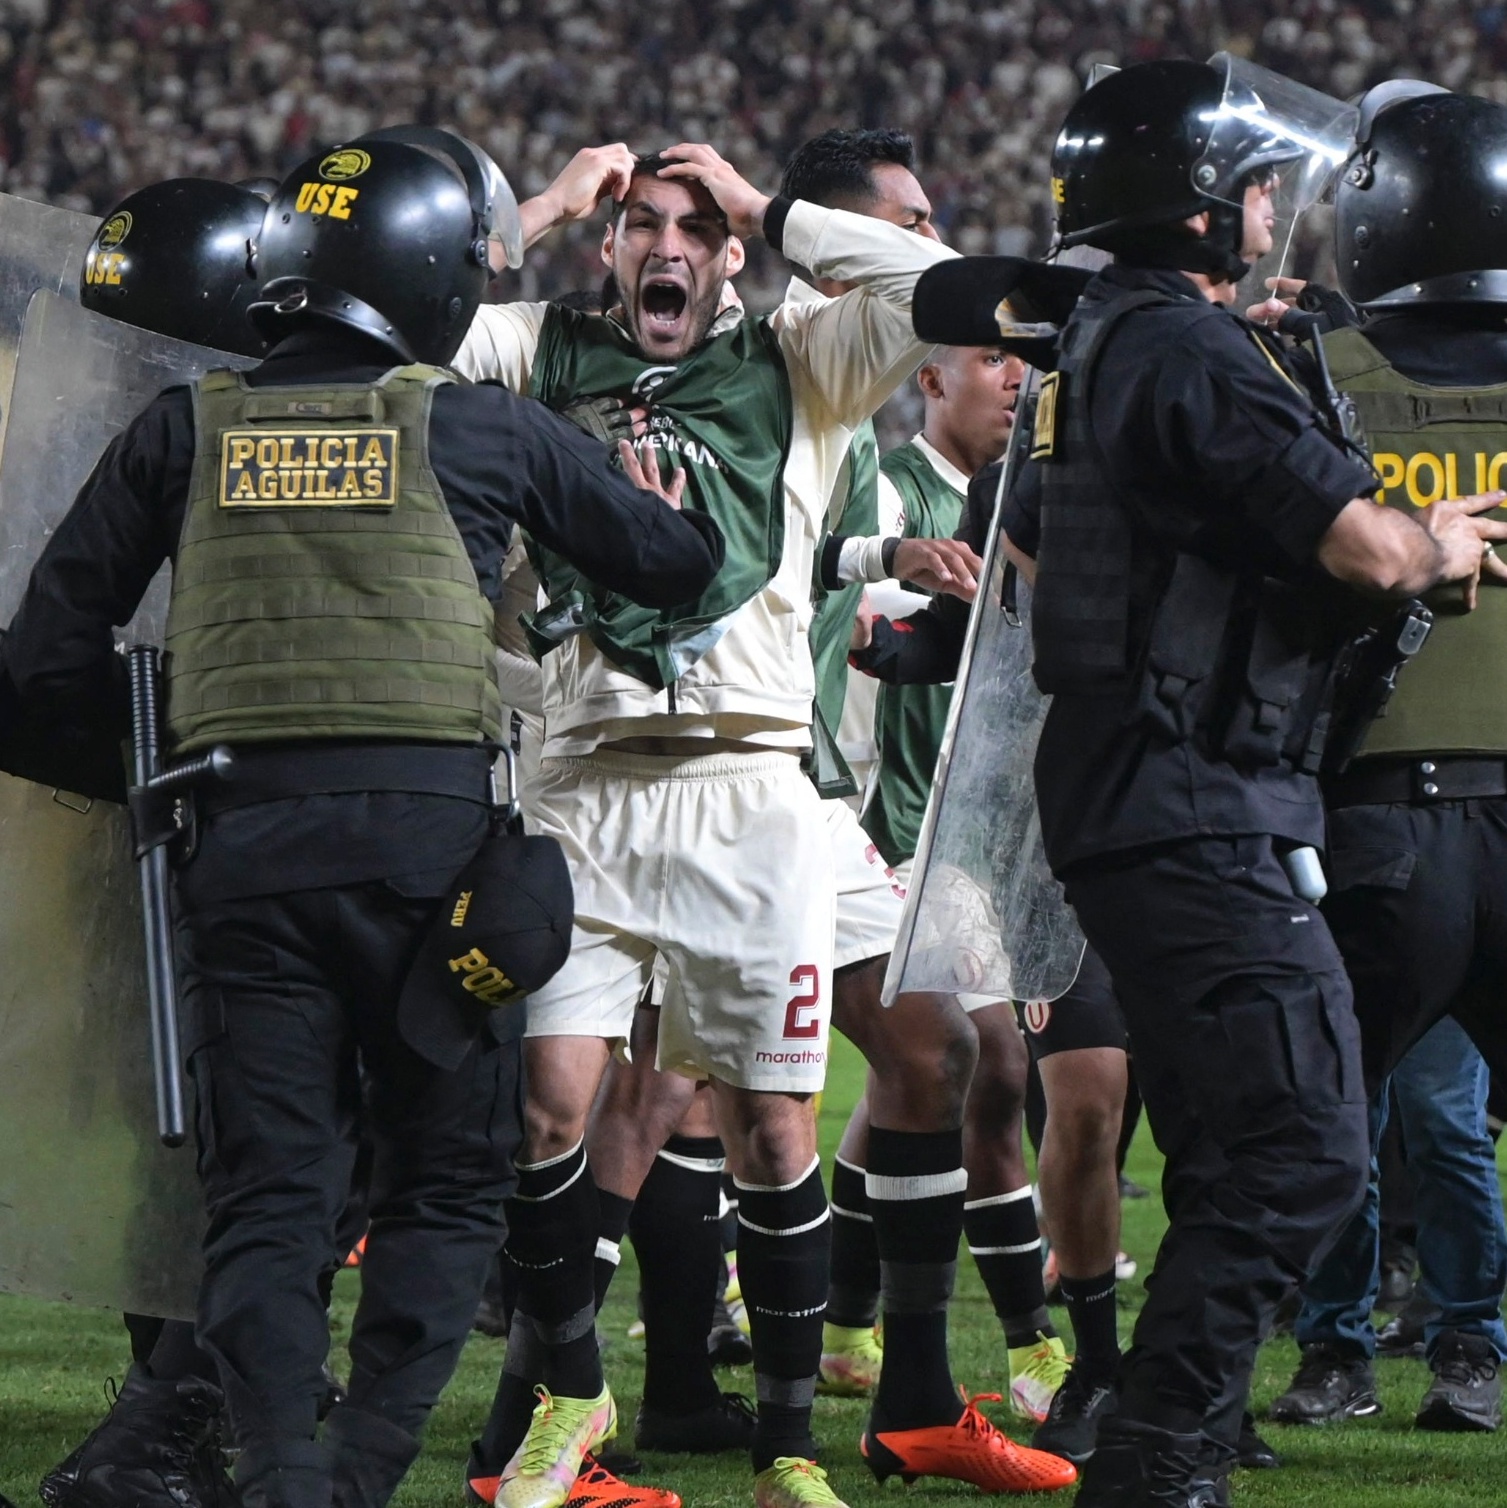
[332, 623]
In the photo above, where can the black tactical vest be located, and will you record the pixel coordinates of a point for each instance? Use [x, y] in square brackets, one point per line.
[1201, 650]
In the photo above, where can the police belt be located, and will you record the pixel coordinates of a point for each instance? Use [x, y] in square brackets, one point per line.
[1419, 779]
[460, 771]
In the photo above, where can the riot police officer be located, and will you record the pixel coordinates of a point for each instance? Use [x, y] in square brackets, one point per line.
[1195, 523]
[336, 519]
[1418, 822]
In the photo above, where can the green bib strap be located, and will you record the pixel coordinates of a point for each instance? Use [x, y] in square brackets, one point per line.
[725, 415]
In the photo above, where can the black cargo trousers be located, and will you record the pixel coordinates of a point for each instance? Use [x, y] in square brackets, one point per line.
[1418, 905]
[1248, 1056]
[283, 995]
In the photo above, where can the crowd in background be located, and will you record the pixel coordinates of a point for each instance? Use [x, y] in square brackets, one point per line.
[100, 99]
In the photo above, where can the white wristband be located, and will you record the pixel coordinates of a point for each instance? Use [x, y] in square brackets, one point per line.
[862, 559]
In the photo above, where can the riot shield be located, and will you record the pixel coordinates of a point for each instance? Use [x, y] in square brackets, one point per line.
[984, 914]
[92, 1208]
[41, 246]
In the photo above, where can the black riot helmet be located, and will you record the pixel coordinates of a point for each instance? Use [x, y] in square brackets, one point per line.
[173, 258]
[389, 236]
[1421, 211]
[1149, 146]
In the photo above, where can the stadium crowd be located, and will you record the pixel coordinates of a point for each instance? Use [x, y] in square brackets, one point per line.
[99, 100]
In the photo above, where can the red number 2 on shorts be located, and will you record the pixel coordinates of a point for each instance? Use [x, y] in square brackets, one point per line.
[797, 1023]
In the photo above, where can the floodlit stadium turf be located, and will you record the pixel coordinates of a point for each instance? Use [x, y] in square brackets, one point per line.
[54, 1361]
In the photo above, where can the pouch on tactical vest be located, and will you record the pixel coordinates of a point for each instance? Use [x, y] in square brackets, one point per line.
[321, 589]
[1238, 660]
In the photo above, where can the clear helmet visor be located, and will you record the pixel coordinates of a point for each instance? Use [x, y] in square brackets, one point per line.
[504, 227]
[1289, 138]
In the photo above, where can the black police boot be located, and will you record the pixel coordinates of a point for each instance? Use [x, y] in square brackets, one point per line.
[1333, 1382]
[372, 1456]
[1404, 1334]
[1071, 1427]
[725, 1425]
[1251, 1451]
[334, 1393]
[1467, 1389]
[157, 1448]
[1137, 1466]
[726, 1344]
[286, 1474]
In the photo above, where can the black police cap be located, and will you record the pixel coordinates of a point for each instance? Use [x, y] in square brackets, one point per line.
[503, 931]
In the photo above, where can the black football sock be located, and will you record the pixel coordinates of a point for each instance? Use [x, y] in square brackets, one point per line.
[614, 1212]
[1096, 1338]
[853, 1295]
[784, 1251]
[553, 1221]
[915, 1184]
[1005, 1243]
[513, 1402]
[678, 1239]
[729, 1208]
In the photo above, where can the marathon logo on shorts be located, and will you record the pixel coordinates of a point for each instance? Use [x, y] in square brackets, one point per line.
[325, 468]
[794, 1055]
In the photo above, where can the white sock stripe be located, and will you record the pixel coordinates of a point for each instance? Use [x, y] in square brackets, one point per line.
[553, 1193]
[1005, 1251]
[608, 1251]
[984, 1204]
[794, 1230]
[852, 1167]
[693, 1164]
[551, 1162]
[915, 1185]
[778, 1188]
[837, 1209]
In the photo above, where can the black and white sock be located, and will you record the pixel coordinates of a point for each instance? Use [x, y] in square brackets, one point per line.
[614, 1212]
[784, 1251]
[1005, 1242]
[553, 1222]
[915, 1183]
[1096, 1338]
[677, 1236]
[853, 1295]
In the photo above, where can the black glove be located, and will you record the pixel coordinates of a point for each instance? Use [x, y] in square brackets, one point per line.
[606, 419]
[1334, 310]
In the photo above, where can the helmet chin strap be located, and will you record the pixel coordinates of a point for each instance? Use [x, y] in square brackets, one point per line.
[1215, 254]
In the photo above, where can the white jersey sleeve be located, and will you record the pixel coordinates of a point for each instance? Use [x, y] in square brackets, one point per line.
[500, 345]
[518, 673]
[853, 351]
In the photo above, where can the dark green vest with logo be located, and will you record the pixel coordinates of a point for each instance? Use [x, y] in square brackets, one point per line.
[833, 616]
[1429, 443]
[910, 719]
[321, 588]
[724, 414]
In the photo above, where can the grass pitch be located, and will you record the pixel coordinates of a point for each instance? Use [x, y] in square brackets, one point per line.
[54, 1360]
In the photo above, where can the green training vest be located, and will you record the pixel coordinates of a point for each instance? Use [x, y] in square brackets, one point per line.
[321, 588]
[1429, 443]
[833, 616]
[910, 719]
[724, 413]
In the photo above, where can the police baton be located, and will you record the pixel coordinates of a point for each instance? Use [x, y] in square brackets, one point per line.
[158, 816]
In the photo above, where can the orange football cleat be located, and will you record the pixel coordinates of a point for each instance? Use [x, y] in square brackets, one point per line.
[972, 1450]
[596, 1487]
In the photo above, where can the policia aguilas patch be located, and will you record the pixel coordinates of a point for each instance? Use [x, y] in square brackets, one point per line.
[324, 468]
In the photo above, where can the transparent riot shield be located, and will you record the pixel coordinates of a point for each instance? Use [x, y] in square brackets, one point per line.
[92, 1208]
[984, 914]
[41, 246]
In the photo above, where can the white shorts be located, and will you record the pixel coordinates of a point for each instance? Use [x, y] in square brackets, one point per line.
[721, 867]
[870, 895]
[970, 1003]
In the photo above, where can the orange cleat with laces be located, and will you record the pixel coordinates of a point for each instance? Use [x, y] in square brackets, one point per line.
[596, 1487]
[972, 1450]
